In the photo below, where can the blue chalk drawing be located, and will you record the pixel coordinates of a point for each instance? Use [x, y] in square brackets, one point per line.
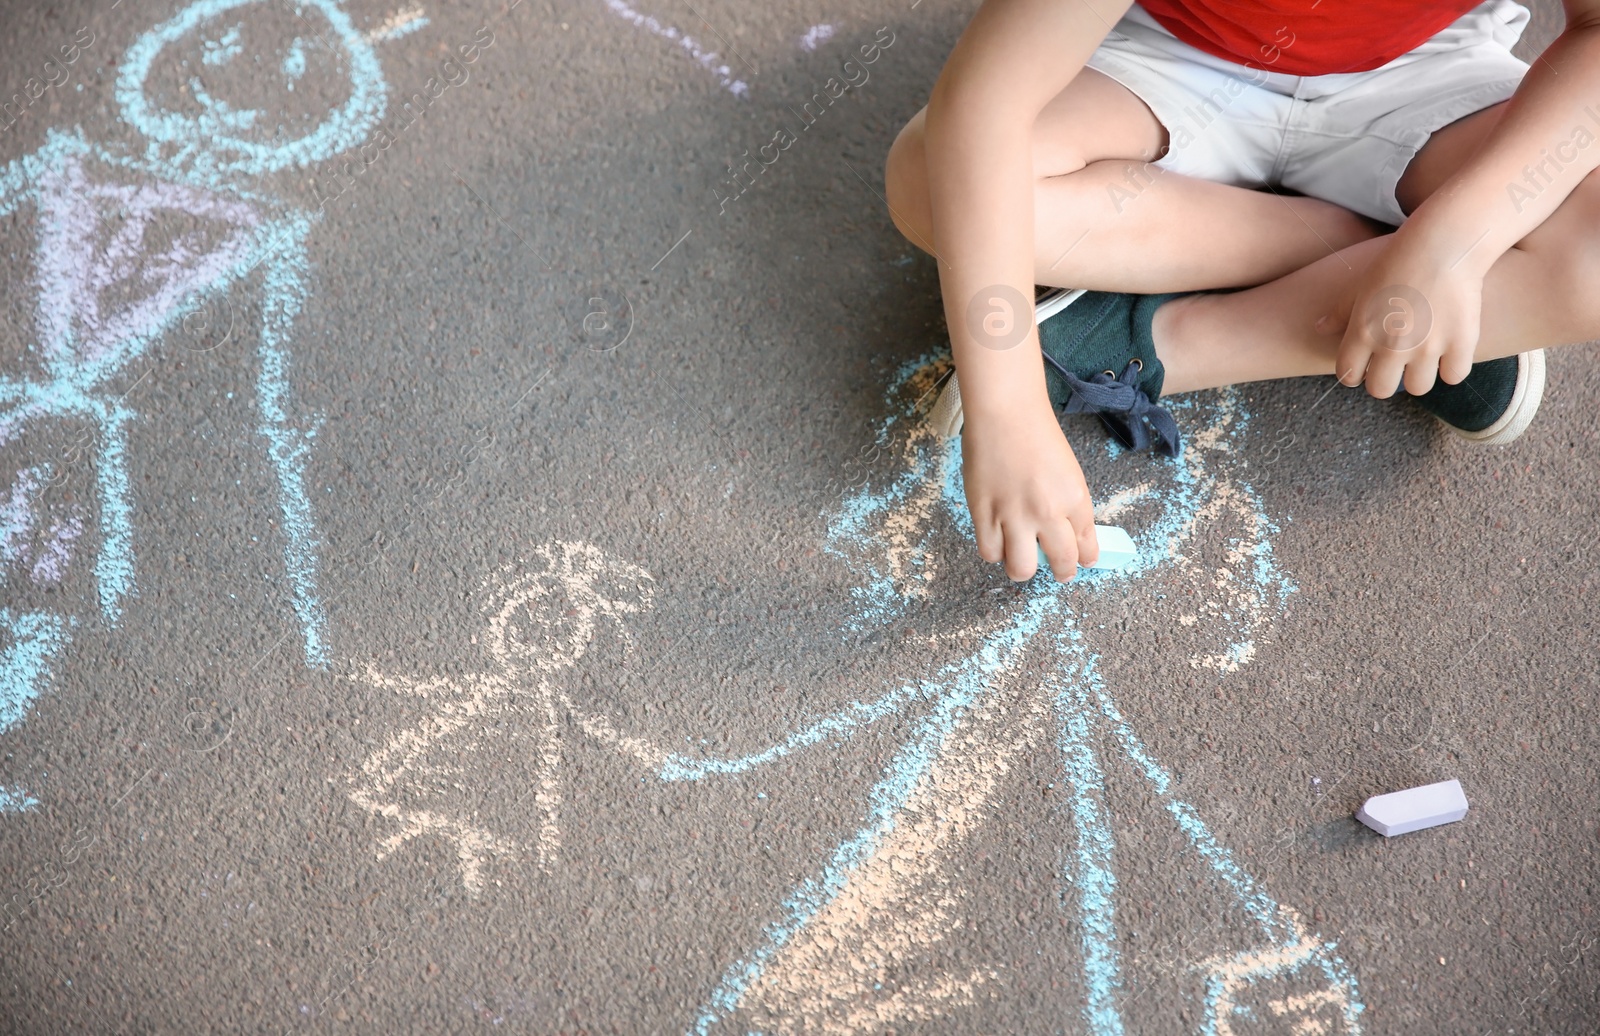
[215, 140]
[35, 637]
[15, 800]
[107, 294]
[826, 962]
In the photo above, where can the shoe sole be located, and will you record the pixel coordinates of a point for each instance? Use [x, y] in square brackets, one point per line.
[946, 416]
[1525, 400]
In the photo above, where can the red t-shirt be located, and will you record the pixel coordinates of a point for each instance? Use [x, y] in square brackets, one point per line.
[1306, 37]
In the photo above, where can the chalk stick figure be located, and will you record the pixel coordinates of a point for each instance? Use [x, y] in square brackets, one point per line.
[541, 618]
[132, 243]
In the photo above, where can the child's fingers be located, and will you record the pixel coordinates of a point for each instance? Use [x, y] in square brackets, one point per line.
[1083, 529]
[1384, 371]
[1455, 365]
[1022, 552]
[1063, 548]
[1350, 366]
[1421, 375]
[1351, 373]
[991, 544]
[1080, 513]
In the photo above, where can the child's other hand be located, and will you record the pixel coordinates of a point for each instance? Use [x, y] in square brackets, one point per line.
[1024, 487]
[1408, 320]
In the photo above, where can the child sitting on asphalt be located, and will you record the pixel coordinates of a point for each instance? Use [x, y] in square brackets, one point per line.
[1226, 178]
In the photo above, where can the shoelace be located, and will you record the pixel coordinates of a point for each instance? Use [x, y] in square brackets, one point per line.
[1124, 408]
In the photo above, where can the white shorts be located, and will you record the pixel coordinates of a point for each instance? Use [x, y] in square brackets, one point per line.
[1345, 138]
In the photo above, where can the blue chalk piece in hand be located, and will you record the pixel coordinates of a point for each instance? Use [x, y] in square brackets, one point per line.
[1116, 550]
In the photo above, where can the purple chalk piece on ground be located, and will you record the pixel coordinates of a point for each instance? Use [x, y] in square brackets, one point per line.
[1414, 809]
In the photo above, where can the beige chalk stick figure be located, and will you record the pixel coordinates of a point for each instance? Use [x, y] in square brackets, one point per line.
[541, 620]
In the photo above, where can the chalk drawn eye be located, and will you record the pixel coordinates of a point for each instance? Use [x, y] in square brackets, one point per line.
[221, 51]
[180, 83]
[294, 62]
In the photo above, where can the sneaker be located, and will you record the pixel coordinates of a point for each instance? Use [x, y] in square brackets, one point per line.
[1099, 359]
[1495, 403]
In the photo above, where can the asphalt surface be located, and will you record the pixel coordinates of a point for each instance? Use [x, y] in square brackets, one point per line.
[538, 609]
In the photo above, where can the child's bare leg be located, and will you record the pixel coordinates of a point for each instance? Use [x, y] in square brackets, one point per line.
[1106, 220]
[1530, 300]
[1538, 294]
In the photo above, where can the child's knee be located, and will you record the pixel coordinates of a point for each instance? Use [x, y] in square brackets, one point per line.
[905, 182]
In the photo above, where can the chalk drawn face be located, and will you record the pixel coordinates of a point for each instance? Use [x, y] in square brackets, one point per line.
[545, 620]
[262, 85]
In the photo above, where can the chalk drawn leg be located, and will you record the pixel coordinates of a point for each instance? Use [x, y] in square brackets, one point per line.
[289, 446]
[1093, 874]
[113, 565]
[548, 796]
[33, 640]
[1292, 974]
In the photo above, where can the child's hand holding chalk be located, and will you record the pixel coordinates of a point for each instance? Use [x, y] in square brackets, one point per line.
[1116, 550]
